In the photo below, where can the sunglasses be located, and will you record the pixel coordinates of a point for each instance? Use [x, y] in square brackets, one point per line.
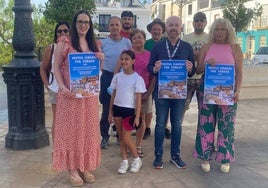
[59, 31]
[199, 20]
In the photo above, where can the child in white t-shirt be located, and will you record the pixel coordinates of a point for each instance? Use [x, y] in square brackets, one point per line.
[128, 87]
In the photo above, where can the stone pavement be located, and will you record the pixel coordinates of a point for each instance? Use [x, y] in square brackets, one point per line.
[32, 169]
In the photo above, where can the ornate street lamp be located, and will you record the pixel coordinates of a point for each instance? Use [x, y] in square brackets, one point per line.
[181, 4]
[25, 91]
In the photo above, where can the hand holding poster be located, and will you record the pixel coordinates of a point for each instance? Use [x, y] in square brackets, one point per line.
[172, 82]
[84, 74]
[219, 84]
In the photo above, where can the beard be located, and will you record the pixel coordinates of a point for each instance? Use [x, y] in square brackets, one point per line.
[126, 27]
[199, 31]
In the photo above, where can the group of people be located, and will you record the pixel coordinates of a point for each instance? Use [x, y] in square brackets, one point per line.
[130, 67]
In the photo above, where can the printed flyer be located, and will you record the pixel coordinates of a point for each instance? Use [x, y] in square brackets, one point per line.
[172, 82]
[84, 74]
[219, 84]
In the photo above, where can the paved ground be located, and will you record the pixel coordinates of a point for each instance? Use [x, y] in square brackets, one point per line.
[31, 168]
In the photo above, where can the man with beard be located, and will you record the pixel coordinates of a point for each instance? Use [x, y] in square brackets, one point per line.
[127, 23]
[197, 39]
[170, 48]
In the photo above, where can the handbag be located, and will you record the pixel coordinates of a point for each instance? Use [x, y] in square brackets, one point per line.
[48, 72]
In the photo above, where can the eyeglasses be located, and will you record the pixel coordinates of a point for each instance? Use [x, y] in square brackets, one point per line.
[199, 20]
[81, 22]
[59, 31]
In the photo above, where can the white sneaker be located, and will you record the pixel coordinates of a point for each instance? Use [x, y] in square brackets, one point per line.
[225, 167]
[136, 165]
[123, 167]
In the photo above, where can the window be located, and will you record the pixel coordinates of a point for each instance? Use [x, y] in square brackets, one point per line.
[190, 9]
[216, 3]
[263, 40]
[203, 4]
[104, 22]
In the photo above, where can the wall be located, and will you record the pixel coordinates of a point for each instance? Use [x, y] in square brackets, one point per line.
[255, 82]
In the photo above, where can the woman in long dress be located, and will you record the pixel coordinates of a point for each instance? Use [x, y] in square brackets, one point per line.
[76, 146]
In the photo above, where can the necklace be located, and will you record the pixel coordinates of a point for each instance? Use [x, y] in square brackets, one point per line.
[175, 50]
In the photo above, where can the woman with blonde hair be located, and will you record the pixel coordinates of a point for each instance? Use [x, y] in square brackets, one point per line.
[220, 49]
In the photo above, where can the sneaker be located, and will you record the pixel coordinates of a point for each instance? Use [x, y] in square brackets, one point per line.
[136, 165]
[205, 167]
[104, 144]
[123, 167]
[158, 162]
[113, 131]
[167, 134]
[225, 167]
[178, 162]
[133, 133]
[147, 133]
[117, 141]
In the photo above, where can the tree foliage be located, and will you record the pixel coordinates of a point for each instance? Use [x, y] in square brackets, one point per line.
[6, 31]
[64, 10]
[239, 15]
[43, 31]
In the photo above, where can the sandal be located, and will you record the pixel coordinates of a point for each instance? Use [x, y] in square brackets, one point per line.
[140, 151]
[87, 177]
[76, 181]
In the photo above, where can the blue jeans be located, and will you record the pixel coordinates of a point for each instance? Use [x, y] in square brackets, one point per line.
[176, 108]
[105, 82]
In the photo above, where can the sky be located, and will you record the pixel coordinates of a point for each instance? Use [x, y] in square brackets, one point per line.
[38, 1]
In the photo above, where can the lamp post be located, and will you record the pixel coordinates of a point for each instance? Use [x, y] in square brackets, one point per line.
[181, 4]
[25, 91]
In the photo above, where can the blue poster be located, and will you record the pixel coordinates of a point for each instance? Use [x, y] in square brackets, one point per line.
[84, 74]
[172, 83]
[219, 84]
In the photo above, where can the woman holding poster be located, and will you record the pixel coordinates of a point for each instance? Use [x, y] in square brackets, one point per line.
[220, 50]
[76, 145]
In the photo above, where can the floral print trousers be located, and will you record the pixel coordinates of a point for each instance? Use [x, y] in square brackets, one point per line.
[208, 116]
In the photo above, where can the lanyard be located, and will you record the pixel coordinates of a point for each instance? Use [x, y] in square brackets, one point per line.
[175, 50]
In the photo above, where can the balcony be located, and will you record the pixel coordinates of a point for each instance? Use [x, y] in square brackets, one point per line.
[260, 23]
[119, 3]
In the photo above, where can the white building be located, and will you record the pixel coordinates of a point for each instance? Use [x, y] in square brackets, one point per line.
[109, 8]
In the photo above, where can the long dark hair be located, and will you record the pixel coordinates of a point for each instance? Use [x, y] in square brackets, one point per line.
[56, 28]
[90, 37]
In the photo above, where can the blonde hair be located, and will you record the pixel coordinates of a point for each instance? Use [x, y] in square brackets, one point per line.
[230, 38]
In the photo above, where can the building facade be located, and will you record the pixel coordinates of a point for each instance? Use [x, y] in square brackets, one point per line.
[250, 40]
[108, 8]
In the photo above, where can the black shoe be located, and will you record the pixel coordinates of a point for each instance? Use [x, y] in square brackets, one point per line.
[177, 161]
[147, 133]
[167, 134]
[104, 144]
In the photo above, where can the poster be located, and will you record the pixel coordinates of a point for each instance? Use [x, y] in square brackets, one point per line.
[219, 84]
[84, 74]
[172, 83]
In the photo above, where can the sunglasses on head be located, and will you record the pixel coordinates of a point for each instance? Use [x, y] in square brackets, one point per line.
[199, 20]
[59, 31]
